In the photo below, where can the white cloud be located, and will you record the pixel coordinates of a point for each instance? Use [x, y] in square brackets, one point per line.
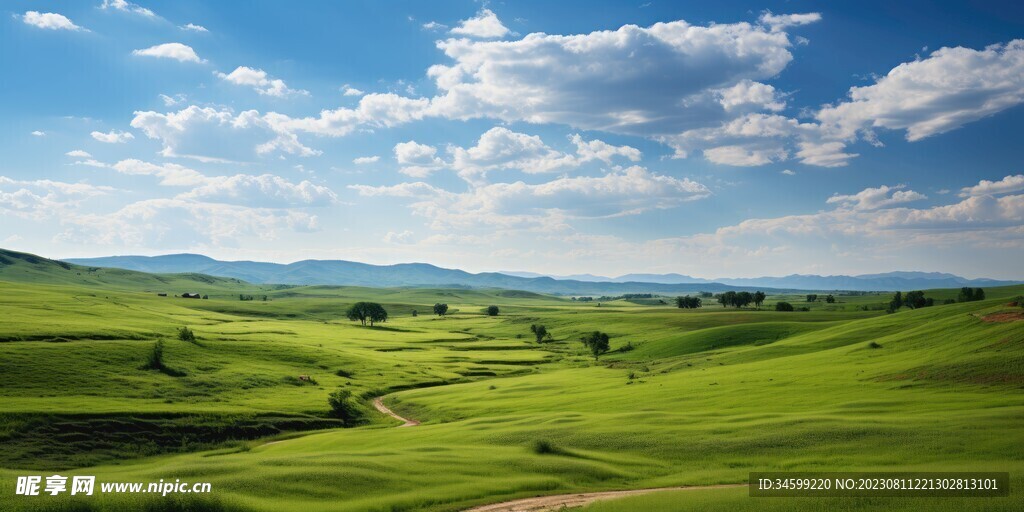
[125, 6]
[433, 25]
[176, 51]
[874, 198]
[747, 94]
[194, 28]
[181, 223]
[39, 133]
[546, 205]
[402, 237]
[788, 172]
[49, 20]
[825, 154]
[170, 174]
[38, 199]
[363, 160]
[1003, 186]
[113, 137]
[209, 134]
[78, 153]
[658, 80]
[265, 191]
[260, 81]
[745, 155]
[351, 91]
[950, 88]
[170, 101]
[484, 25]
[417, 160]
[779, 22]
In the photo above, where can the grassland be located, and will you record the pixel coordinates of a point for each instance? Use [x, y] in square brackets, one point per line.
[686, 397]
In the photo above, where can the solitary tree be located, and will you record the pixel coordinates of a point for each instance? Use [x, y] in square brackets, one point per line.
[597, 342]
[440, 309]
[414, 313]
[830, 299]
[812, 297]
[759, 297]
[783, 306]
[343, 407]
[915, 299]
[540, 332]
[492, 310]
[367, 312]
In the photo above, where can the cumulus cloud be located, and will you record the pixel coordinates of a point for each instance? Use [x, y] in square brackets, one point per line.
[38, 133]
[113, 137]
[484, 25]
[194, 28]
[38, 199]
[950, 88]
[398, 237]
[363, 160]
[78, 153]
[351, 91]
[170, 101]
[49, 21]
[777, 22]
[417, 160]
[260, 81]
[1003, 186]
[788, 172]
[210, 134]
[169, 174]
[267, 191]
[874, 198]
[745, 156]
[176, 51]
[125, 6]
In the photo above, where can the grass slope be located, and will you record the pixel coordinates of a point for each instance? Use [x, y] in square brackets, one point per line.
[704, 397]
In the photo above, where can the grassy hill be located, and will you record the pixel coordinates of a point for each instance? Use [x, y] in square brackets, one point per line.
[685, 397]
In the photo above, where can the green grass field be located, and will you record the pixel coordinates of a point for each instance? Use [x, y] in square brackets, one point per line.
[685, 397]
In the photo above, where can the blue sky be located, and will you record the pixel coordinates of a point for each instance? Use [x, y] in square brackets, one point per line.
[705, 138]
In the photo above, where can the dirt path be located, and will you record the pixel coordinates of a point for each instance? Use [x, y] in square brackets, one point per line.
[378, 403]
[559, 501]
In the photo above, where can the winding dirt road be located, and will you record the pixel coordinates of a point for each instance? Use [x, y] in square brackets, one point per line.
[378, 403]
[559, 501]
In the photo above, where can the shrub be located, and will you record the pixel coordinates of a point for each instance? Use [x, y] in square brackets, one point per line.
[343, 373]
[783, 306]
[543, 447]
[186, 334]
[343, 407]
[492, 310]
[155, 361]
[440, 309]
[414, 313]
[874, 344]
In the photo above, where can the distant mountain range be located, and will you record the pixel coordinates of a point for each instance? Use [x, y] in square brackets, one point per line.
[865, 282]
[350, 273]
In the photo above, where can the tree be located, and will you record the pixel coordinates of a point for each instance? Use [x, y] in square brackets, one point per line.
[414, 313]
[367, 312]
[597, 342]
[377, 313]
[896, 303]
[830, 299]
[914, 300]
[812, 297]
[344, 407]
[540, 332]
[688, 302]
[492, 310]
[979, 294]
[759, 297]
[727, 299]
[155, 361]
[440, 309]
[783, 306]
[966, 295]
[743, 299]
